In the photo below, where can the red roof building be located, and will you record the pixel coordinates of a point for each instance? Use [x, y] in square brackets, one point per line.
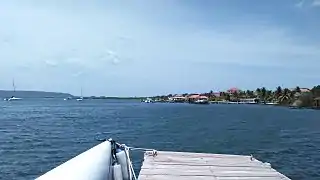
[233, 90]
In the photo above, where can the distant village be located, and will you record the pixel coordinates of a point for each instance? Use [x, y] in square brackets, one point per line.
[295, 97]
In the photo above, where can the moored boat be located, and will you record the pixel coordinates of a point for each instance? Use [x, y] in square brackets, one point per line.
[148, 100]
[68, 98]
[81, 97]
[12, 98]
[202, 100]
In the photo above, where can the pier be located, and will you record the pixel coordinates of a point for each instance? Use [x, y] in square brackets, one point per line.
[166, 165]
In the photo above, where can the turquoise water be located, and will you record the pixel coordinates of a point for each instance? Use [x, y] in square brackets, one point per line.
[37, 135]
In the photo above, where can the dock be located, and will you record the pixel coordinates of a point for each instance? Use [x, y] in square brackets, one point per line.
[165, 165]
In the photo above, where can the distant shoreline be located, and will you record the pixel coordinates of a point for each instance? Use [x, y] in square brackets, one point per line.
[45, 94]
[33, 94]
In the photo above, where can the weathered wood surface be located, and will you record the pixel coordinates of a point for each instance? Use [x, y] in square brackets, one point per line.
[200, 166]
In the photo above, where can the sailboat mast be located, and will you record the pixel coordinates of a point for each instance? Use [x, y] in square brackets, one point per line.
[13, 85]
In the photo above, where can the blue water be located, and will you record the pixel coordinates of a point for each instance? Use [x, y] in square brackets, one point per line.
[37, 135]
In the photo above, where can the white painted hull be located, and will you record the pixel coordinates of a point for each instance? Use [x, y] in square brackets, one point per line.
[201, 101]
[12, 99]
[93, 164]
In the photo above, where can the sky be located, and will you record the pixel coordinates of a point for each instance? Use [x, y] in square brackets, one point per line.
[142, 47]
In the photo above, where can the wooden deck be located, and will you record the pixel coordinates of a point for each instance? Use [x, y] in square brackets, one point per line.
[198, 166]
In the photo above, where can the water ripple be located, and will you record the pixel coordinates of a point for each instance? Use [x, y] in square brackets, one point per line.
[36, 136]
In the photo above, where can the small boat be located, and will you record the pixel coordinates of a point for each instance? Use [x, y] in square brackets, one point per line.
[201, 101]
[12, 98]
[81, 97]
[68, 98]
[148, 100]
[271, 103]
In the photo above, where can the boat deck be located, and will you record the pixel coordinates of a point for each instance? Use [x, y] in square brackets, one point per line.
[199, 166]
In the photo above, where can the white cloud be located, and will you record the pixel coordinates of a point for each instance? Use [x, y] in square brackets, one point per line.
[50, 63]
[77, 74]
[300, 4]
[133, 45]
[316, 3]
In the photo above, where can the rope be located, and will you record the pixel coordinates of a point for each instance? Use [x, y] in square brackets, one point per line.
[127, 149]
[130, 164]
[134, 148]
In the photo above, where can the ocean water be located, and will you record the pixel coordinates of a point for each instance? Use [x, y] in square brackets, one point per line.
[37, 135]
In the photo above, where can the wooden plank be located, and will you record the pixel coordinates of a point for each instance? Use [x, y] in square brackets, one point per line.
[191, 154]
[212, 161]
[160, 177]
[169, 177]
[181, 166]
[194, 166]
[208, 172]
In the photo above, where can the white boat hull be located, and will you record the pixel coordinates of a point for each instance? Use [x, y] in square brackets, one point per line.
[12, 99]
[93, 164]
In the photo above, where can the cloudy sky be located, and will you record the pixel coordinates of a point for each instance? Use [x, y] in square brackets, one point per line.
[133, 48]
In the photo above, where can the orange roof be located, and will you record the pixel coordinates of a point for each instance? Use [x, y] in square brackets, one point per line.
[178, 97]
[233, 89]
[203, 97]
[194, 96]
[304, 90]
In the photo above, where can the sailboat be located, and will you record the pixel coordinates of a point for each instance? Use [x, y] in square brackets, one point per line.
[13, 98]
[81, 97]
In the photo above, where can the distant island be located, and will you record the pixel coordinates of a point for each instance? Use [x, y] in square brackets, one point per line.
[44, 94]
[33, 94]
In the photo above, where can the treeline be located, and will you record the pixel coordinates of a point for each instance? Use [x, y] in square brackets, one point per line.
[300, 97]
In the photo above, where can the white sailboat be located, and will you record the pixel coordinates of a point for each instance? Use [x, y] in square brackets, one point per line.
[13, 98]
[68, 98]
[81, 97]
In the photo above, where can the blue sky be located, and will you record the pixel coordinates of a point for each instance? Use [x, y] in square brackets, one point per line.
[134, 48]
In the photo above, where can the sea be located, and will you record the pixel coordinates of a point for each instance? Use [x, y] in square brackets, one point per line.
[37, 135]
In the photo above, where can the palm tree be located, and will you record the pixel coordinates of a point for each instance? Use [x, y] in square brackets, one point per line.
[278, 91]
[227, 97]
[258, 92]
[316, 91]
[210, 94]
[285, 97]
[249, 94]
[242, 94]
[235, 96]
[269, 96]
[263, 93]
